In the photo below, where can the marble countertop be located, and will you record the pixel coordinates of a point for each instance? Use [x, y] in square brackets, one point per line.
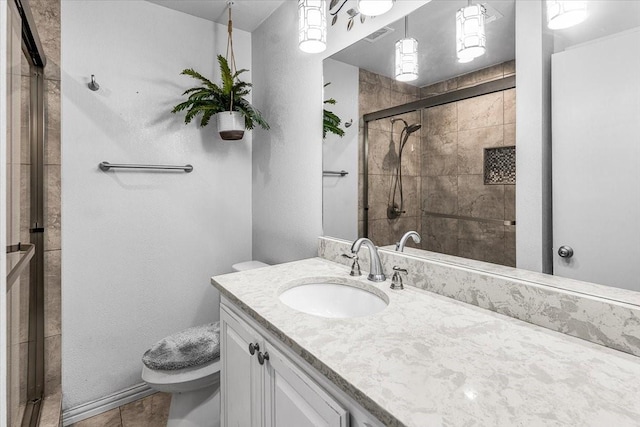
[428, 360]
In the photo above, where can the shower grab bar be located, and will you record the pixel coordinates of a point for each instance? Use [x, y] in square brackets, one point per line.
[470, 218]
[105, 166]
[17, 270]
[335, 173]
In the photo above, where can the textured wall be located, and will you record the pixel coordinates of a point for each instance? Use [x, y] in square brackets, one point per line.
[340, 194]
[287, 160]
[533, 163]
[140, 247]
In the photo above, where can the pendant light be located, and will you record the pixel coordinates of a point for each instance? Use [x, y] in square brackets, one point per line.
[406, 57]
[374, 7]
[565, 14]
[470, 35]
[312, 25]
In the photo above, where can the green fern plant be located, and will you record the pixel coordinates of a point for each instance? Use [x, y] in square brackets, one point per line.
[330, 121]
[209, 98]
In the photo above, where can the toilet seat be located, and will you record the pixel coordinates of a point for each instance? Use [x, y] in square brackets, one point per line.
[183, 380]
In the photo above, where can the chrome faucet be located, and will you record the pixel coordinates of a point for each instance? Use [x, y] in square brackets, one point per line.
[403, 241]
[375, 272]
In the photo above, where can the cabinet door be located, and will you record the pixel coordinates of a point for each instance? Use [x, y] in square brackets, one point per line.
[241, 375]
[294, 399]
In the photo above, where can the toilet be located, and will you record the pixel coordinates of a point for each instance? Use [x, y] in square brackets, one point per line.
[187, 365]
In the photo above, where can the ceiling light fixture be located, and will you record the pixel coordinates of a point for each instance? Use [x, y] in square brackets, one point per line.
[312, 25]
[565, 14]
[374, 7]
[406, 57]
[471, 39]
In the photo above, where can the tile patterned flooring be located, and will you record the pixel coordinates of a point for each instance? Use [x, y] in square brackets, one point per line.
[152, 411]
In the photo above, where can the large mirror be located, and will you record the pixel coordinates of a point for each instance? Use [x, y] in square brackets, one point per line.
[437, 154]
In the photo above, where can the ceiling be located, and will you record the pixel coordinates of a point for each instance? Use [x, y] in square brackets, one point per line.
[433, 25]
[247, 14]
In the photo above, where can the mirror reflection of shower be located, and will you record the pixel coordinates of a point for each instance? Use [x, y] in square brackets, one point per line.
[395, 205]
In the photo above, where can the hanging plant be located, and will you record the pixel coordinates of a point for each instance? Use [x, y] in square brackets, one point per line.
[234, 114]
[331, 121]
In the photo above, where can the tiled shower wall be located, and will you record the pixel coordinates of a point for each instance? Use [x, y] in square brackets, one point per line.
[376, 93]
[443, 167]
[46, 14]
[453, 141]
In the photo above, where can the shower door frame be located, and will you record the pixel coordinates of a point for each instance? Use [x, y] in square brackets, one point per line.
[34, 53]
[493, 86]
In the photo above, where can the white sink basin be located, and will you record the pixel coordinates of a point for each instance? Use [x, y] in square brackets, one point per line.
[335, 300]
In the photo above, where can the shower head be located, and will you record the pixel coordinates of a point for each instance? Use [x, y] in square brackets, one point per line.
[412, 128]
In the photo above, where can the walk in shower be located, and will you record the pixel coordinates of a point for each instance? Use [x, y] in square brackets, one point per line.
[444, 165]
[24, 218]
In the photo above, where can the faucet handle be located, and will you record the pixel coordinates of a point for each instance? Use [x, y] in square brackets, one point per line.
[355, 267]
[396, 280]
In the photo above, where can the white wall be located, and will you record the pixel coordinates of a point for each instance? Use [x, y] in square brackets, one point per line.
[287, 160]
[534, 46]
[139, 247]
[340, 194]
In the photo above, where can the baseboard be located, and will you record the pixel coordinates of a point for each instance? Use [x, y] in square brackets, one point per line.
[104, 404]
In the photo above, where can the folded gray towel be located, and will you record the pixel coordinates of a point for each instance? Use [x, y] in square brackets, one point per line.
[191, 347]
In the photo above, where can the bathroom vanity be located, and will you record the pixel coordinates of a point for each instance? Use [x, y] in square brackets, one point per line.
[425, 360]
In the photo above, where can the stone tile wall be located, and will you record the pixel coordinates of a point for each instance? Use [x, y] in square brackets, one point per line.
[442, 166]
[46, 14]
[376, 93]
[454, 137]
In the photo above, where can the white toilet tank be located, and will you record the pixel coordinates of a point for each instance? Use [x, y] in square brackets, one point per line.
[248, 265]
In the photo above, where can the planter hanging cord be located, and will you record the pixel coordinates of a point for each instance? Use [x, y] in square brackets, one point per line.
[231, 59]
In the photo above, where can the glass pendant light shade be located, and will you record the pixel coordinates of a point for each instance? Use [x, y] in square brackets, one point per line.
[565, 14]
[374, 7]
[406, 60]
[470, 35]
[312, 25]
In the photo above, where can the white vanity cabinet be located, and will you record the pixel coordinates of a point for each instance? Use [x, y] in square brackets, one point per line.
[266, 388]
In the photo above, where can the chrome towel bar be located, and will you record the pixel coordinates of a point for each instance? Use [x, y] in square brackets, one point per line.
[335, 173]
[105, 166]
[469, 218]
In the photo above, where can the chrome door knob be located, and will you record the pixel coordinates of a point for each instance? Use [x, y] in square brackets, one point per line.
[565, 251]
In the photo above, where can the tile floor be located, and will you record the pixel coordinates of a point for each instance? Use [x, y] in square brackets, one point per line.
[152, 411]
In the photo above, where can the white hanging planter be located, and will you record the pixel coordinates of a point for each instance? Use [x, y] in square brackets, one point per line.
[230, 125]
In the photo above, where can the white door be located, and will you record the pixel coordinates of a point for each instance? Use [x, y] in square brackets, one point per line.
[295, 400]
[241, 375]
[596, 161]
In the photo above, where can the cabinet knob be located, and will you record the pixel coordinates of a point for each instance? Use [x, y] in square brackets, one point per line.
[253, 348]
[262, 357]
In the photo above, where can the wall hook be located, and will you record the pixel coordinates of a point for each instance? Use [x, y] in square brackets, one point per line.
[93, 85]
[349, 123]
